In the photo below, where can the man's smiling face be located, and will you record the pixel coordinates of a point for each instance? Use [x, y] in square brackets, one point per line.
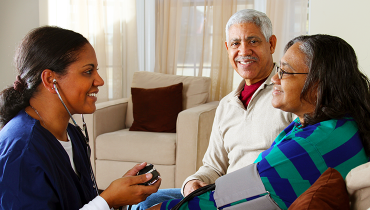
[249, 52]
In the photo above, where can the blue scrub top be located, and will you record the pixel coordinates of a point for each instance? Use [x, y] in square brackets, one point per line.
[35, 170]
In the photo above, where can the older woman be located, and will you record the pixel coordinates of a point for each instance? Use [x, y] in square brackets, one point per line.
[319, 81]
[45, 160]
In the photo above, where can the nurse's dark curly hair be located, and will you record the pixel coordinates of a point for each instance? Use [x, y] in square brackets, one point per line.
[336, 81]
[42, 48]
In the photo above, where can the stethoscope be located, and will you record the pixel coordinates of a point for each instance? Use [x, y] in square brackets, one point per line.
[86, 136]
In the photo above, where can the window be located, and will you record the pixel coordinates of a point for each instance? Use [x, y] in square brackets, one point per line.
[110, 27]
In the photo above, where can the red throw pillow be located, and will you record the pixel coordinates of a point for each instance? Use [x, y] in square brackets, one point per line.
[328, 192]
[156, 110]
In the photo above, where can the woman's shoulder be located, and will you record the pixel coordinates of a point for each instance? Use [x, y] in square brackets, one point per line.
[23, 135]
[331, 134]
[327, 134]
[15, 141]
[16, 133]
[344, 124]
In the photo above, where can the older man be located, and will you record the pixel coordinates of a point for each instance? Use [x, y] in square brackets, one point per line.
[245, 123]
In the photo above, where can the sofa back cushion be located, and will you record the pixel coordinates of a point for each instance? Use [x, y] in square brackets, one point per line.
[195, 89]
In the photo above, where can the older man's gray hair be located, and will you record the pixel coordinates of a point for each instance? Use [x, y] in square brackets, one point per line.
[260, 19]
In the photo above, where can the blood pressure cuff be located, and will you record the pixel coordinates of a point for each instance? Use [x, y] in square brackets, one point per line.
[244, 190]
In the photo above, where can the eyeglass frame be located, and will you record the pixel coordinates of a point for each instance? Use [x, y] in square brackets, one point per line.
[280, 75]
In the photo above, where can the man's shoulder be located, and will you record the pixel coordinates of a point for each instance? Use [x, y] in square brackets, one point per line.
[229, 96]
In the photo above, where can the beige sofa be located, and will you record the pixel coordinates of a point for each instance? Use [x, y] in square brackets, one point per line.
[115, 149]
[358, 187]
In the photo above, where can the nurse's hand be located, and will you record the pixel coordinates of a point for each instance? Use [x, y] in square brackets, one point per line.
[126, 191]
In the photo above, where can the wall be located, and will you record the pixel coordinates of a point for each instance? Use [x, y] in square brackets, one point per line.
[17, 17]
[346, 19]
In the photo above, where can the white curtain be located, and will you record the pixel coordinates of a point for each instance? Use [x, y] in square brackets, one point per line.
[110, 26]
[289, 20]
[190, 36]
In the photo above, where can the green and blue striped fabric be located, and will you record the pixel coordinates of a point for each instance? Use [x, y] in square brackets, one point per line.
[296, 160]
[299, 156]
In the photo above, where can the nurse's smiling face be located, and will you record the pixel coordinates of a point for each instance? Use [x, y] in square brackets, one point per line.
[80, 86]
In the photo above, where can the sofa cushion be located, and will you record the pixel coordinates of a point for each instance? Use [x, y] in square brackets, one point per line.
[109, 170]
[125, 145]
[195, 89]
[328, 192]
[358, 186]
[156, 109]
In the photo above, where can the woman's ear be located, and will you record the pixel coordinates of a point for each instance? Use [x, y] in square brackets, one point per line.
[47, 77]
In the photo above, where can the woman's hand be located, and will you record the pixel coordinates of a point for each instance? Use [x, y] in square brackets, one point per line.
[192, 185]
[126, 191]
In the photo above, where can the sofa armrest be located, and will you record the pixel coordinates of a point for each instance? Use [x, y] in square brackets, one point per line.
[109, 116]
[193, 131]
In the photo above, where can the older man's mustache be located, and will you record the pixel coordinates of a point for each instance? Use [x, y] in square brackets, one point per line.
[243, 58]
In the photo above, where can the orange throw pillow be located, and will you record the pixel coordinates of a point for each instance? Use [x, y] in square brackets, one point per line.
[328, 192]
[156, 109]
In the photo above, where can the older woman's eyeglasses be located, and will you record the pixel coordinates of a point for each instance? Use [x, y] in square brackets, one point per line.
[281, 72]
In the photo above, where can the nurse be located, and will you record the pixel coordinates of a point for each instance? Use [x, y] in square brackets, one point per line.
[44, 160]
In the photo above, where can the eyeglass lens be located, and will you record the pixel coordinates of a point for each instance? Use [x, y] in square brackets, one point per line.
[280, 72]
